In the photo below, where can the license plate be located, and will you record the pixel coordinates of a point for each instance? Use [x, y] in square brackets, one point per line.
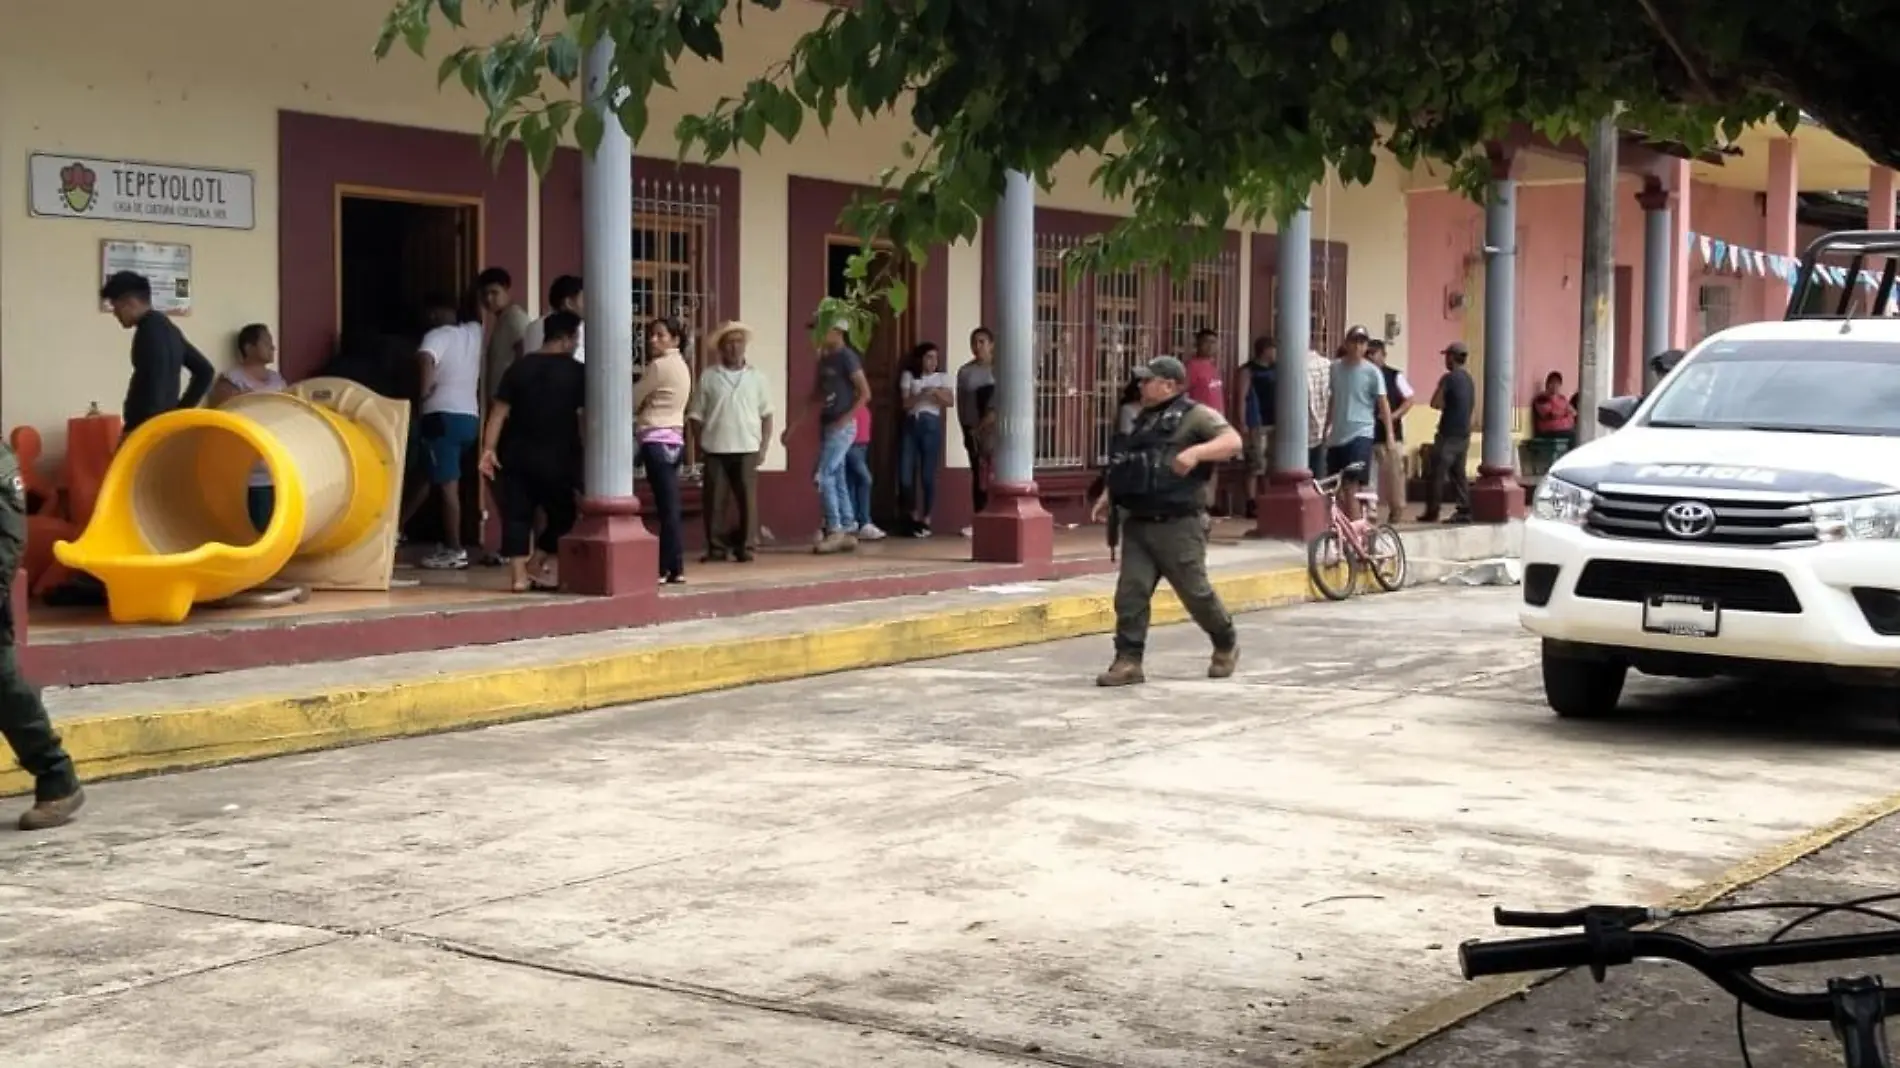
[1684, 617]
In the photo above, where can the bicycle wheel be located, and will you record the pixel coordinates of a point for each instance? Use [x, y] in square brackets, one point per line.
[1329, 564]
[1385, 557]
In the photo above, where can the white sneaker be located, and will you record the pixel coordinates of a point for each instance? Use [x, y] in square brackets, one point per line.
[870, 532]
[446, 560]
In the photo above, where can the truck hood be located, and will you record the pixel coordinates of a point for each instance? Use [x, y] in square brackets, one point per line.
[1812, 466]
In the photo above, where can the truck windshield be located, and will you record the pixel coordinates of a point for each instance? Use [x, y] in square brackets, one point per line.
[1825, 387]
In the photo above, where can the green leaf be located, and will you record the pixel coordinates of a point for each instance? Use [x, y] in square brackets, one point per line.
[897, 296]
[752, 128]
[564, 57]
[787, 115]
[589, 127]
[1340, 45]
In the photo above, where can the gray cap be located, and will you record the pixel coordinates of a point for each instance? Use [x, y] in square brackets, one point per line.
[1163, 367]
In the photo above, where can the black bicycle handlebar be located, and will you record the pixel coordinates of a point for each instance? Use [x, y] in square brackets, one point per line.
[1610, 943]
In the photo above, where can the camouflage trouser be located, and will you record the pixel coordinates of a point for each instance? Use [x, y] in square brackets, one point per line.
[24, 724]
[1175, 550]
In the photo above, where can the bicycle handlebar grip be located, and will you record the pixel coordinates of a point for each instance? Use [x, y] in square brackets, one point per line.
[1518, 955]
[1548, 920]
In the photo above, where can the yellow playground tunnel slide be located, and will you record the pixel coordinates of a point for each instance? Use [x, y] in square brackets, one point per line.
[171, 529]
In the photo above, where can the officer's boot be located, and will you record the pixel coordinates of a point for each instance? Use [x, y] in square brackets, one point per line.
[48, 813]
[1224, 662]
[1125, 671]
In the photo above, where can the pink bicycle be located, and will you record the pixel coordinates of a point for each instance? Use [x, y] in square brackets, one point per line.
[1335, 556]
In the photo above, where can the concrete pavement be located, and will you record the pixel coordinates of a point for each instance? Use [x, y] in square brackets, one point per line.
[978, 861]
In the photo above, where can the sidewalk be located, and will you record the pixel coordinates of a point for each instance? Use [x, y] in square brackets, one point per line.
[135, 728]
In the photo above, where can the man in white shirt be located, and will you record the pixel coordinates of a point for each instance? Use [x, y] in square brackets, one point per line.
[451, 358]
[565, 295]
[732, 414]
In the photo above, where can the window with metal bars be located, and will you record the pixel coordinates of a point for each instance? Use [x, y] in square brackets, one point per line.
[1092, 331]
[676, 243]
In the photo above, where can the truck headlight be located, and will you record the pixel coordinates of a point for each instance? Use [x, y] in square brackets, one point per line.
[1562, 502]
[1859, 519]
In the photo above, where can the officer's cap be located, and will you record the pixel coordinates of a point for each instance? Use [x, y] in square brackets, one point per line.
[1163, 367]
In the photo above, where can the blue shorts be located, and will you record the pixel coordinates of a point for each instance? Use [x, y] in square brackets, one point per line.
[446, 436]
[1356, 451]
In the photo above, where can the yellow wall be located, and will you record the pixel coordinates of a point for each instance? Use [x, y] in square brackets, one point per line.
[202, 86]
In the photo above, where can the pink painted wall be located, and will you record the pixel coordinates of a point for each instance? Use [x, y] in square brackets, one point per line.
[1447, 239]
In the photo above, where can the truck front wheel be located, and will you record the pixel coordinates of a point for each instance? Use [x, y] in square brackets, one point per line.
[1581, 687]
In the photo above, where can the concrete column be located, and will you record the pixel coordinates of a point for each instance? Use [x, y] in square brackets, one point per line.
[1784, 184]
[1496, 496]
[1290, 507]
[1658, 282]
[1014, 527]
[1596, 360]
[1682, 308]
[1880, 196]
[610, 552]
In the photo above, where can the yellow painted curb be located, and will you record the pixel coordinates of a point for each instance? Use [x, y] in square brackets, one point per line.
[1436, 1017]
[118, 745]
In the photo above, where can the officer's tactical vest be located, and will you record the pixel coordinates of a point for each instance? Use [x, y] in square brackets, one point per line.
[1141, 478]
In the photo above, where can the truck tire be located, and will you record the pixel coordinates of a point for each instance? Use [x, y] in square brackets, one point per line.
[1581, 687]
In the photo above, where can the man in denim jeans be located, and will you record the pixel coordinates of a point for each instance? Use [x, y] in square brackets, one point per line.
[841, 389]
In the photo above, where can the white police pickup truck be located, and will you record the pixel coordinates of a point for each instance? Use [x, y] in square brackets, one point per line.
[1744, 518]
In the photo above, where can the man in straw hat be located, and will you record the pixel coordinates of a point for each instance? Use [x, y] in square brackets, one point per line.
[731, 413]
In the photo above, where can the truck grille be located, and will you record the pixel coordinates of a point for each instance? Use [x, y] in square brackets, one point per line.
[1734, 588]
[1754, 524]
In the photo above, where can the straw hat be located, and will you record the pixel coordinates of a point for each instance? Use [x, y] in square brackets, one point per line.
[714, 339]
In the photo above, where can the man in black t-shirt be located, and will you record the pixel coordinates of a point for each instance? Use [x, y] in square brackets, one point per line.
[531, 451]
[160, 354]
[1455, 400]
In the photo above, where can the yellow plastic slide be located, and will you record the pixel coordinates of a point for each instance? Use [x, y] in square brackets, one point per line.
[172, 528]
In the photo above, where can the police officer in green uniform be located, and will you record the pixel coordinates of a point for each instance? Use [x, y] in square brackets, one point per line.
[1157, 476]
[23, 719]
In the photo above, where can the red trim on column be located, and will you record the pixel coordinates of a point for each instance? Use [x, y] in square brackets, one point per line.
[316, 153]
[812, 207]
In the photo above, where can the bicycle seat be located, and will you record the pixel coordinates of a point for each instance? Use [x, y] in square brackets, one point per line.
[1357, 470]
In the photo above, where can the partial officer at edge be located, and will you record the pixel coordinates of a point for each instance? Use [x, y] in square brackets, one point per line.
[1157, 476]
[23, 720]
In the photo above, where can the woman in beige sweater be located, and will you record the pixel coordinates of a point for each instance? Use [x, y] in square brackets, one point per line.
[659, 428]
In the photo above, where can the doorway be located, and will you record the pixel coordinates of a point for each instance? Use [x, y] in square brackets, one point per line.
[892, 338]
[394, 251]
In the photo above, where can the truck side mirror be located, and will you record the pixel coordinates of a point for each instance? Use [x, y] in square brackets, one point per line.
[1616, 411]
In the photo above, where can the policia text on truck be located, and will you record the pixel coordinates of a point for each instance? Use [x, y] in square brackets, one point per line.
[1157, 479]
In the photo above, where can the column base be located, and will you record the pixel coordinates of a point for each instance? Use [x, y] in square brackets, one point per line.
[1290, 508]
[610, 552]
[1014, 527]
[1496, 496]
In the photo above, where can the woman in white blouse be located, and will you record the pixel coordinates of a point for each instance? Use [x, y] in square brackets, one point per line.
[927, 393]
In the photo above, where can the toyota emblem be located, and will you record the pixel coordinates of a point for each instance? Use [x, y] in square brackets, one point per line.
[1688, 519]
